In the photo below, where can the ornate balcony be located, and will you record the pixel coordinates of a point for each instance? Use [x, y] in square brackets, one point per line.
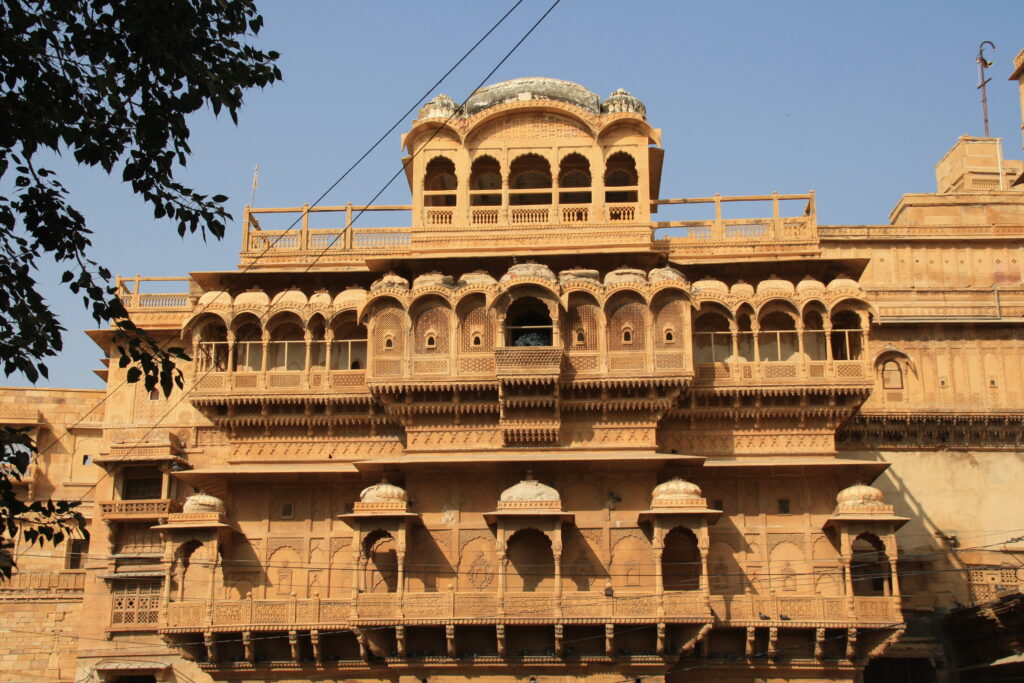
[137, 510]
[533, 361]
[845, 373]
[531, 608]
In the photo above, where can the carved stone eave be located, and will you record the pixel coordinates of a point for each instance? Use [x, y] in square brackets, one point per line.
[502, 515]
[684, 512]
[839, 519]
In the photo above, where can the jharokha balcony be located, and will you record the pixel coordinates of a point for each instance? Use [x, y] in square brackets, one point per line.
[131, 510]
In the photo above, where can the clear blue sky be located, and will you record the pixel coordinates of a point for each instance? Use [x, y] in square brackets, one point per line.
[856, 100]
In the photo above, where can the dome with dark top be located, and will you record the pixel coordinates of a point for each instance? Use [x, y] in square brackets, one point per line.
[623, 101]
[384, 492]
[441, 107]
[520, 89]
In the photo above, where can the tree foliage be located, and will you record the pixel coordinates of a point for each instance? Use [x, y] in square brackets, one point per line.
[109, 83]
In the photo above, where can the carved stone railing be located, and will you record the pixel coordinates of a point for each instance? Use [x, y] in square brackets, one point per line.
[528, 360]
[129, 291]
[152, 508]
[316, 380]
[855, 372]
[28, 584]
[796, 609]
[534, 607]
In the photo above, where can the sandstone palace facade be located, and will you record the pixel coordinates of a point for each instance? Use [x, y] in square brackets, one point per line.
[543, 433]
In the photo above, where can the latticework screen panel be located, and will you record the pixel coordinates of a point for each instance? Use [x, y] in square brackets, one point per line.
[627, 315]
[668, 324]
[432, 322]
[135, 602]
[476, 324]
[583, 319]
[388, 327]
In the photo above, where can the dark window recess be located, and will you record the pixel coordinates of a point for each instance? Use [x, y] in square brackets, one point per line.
[717, 504]
[783, 506]
[142, 488]
[77, 550]
[287, 511]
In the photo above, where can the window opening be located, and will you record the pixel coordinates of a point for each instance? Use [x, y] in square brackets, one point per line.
[892, 375]
[154, 395]
[783, 506]
[77, 550]
[529, 323]
[287, 511]
[669, 337]
[627, 336]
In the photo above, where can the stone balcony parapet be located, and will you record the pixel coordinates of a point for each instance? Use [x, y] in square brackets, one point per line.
[843, 373]
[532, 608]
[129, 510]
[528, 360]
[36, 584]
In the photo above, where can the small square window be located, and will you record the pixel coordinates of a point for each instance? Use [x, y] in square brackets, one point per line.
[77, 550]
[717, 504]
[783, 506]
[287, 511]
[86, 459]
[154, 395]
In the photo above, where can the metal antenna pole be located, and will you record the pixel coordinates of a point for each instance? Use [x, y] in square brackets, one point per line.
[982, 81]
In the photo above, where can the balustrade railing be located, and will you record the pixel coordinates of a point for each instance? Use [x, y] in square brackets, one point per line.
[26, 583]
[541, 607]
[792, 372]
[138, 509]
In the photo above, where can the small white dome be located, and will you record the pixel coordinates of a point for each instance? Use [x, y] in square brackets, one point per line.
[532, 271]
[620, 275]
[810, 287]
[709, 284]
[477, 277]
[199, 503]
[384, 492]
[290, 297]
[860, 495]
[390, 280]
[350, 298]
[666, 274]
[674, 492]
[743, 290]
[579, 274]
[321, 297]
[433, 279]
[215, 297]
[530, 490]
[255, 297]
[775, 284]
[842, 282]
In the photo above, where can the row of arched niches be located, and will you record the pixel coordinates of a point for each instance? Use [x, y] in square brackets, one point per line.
[628, 321]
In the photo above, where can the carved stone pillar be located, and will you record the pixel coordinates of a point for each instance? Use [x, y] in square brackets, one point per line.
[755, 333]
[401, 573]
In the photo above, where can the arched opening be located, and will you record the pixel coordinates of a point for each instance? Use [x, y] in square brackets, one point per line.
[574, 172]
[712, 340]
[212, 344]
[583, 319]
[777, 339]
[440, 182]
[620, 172]
[348, 347]
[485, 182]
[627, 323]
[680, 561]
[388, 330]
[287, 347]
[192, 571]
[431, 329]
[745, 335]
[815, 348]
[476, 332]
[248, 343]
[892, 375]
[847, 337]
[869, 567]
[317, 345]
[527, 174]
[528, 323]
[531, 561]
[381, 554]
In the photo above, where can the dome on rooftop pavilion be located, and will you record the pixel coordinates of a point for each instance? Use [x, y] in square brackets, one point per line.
[675, 491]
[441, 107]
[623, 101]
[860, 495]
[529, 494]
[533, 89]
